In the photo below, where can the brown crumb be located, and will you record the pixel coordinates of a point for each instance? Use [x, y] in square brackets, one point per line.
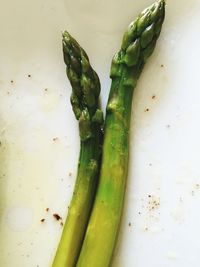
[146, 110]
[61, 223]
[129, 224]
[162, 65]
[55, 139]
[70, 174]
[29, 75]
[153, 97]
[12, 81]
[57, 216]
[42, 220]
[46, 89]
[47, 209]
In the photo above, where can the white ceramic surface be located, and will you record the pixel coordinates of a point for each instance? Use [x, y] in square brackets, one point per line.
[39, 135]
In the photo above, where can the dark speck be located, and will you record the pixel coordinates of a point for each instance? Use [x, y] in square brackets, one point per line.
[29, 75]
[42, 220]
[57, 217]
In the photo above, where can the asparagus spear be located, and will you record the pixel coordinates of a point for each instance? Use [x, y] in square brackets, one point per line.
[138, 44]
[84, 99]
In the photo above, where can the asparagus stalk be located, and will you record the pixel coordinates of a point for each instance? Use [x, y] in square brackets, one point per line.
[84, 99]
[138, 44]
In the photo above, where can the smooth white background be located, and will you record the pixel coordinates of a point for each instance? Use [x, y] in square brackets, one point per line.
[39, 135]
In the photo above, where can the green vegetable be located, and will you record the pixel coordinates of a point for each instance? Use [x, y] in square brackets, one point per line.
[138, 44]
[85, 103]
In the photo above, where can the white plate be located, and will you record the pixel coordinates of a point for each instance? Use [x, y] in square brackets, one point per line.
[39, 135]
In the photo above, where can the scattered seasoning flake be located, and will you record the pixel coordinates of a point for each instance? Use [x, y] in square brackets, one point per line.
[70, 174]
[47, 209]
[12, 81]
[29, 75]
[55, 139]
[146, 110]
[42, 220]
[129, 224]
[162, 65]
[154, 203]
[150, 164]
[61, 223]
[153, 97]
[168, 126]
[57, 217]
[46, 89]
